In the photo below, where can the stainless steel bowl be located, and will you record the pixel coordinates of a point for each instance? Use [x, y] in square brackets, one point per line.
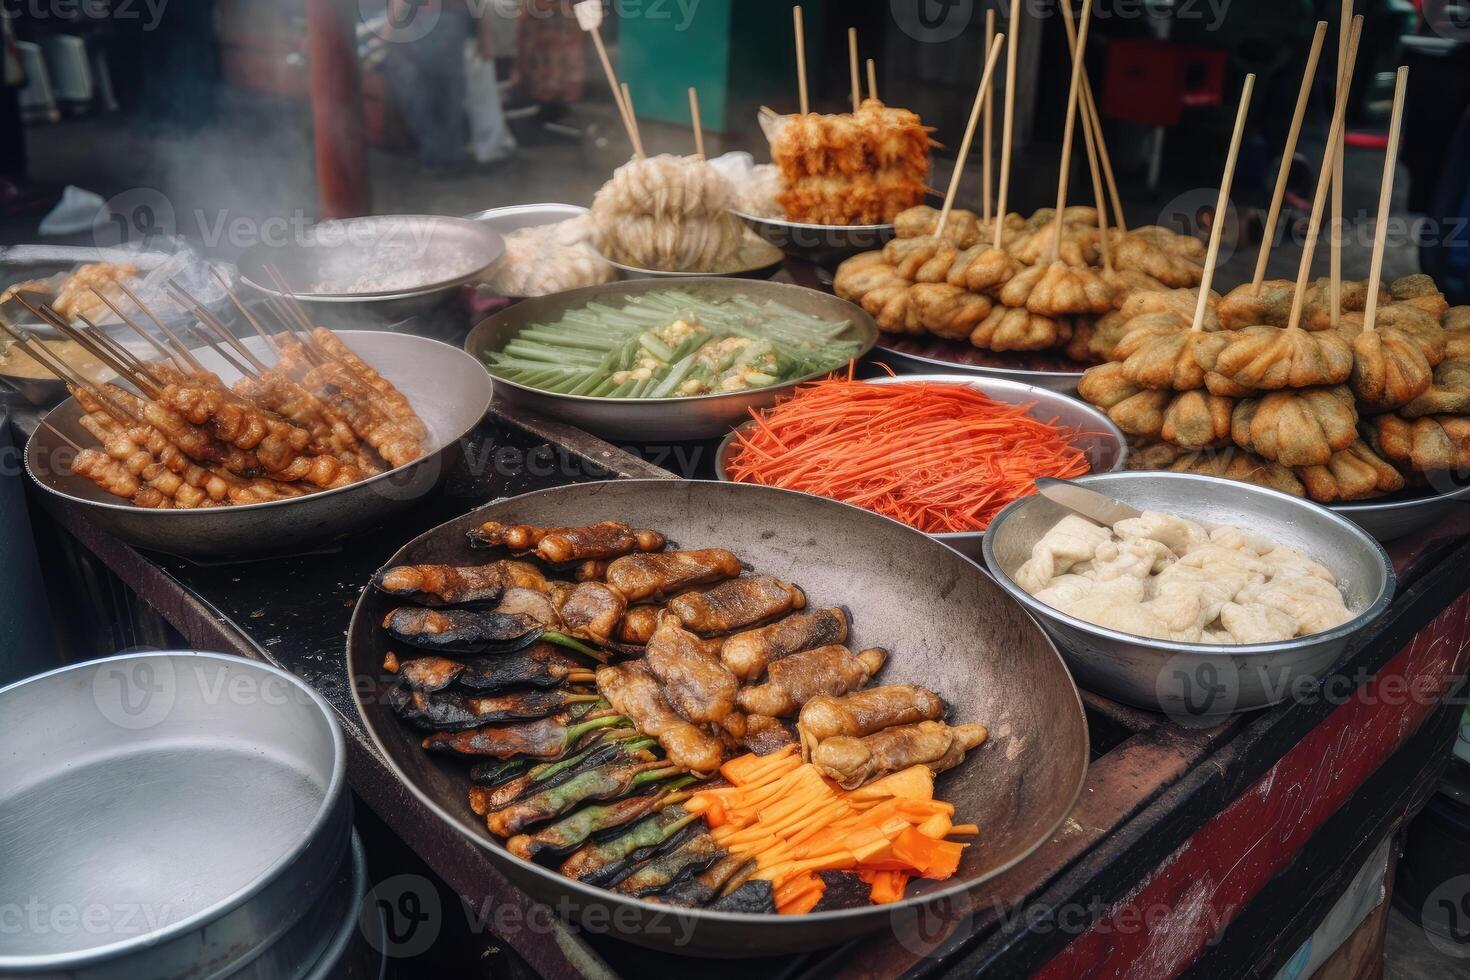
[944, 622]
[1197, 680]
[926, 355]
[761, 261]
[1099, 438]
[657, 419]
[169, 815]
[1390, 519]
[449, 390]
[823, 245]
[337, 262]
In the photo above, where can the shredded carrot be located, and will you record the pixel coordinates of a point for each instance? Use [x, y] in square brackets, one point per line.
[939, 457]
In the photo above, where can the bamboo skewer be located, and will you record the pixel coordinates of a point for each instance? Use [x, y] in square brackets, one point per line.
[987, 132]
[213, 323]
[695, 122]
[872, 79]
[1092, 159]
[98, 336]
[852, 64]
[137, 328]
[1095, 120]
[1222, 204]
[63, 436]
[1324, 177]
[1007, 127]
[1287, 152]
[959, 164]
[1054, 249]
[1335, 229]
[799, 27]
[633, 120]
[1385, 197]
[589, 17]
[177, 344]
[47, 315]
[239, 305]
[213, 345]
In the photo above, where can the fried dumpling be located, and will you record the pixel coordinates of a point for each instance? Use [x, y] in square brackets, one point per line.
[1447, 394]
[1058, 289]
[1389, 370]
[1354, 473]
[1269, 358]
[1296, 428]
[1431, 443]
[1134, 251]
[946, 311]
[1006, 329]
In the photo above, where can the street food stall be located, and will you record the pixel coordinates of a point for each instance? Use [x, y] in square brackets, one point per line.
[787, 571]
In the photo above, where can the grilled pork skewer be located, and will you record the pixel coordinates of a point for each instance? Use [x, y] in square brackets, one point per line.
[865, 712]
[453, 585]
[736, 604]
[642, 577]
[452, 711]
[390, 400]
[748, 653]
[633, 690]
[853, 761]
[794, 681]
[560, 545]
[540, 666]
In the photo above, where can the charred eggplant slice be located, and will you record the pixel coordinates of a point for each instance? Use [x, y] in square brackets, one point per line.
[608, 781]
[454, 711]
[575, 829]
[544, 738]
[607, 862]
[756, 896]
[690, 857]
[461, 630]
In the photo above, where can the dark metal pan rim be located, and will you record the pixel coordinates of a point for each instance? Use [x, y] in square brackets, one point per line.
[325, 813]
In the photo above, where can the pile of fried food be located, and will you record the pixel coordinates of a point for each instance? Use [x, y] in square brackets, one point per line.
[319, 418]
[850, 168]
[1022, 287]
[604, 714]
[77, 294]
[1334, 414]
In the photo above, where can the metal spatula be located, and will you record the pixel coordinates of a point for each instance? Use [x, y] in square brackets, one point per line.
[1089, 503]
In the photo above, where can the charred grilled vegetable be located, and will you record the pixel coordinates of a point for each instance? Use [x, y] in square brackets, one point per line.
[604, 862]
[496, 772]
[463, 631]
[608, 781]
[483, 799]
[658, 873]
[572, 831]
[728, 873]
[559, 545]
[541, 666]
[450, 585]
[756, 896]
[454, 711]
[545, 738]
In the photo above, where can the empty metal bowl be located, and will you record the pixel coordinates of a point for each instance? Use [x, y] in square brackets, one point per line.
[1200, 680]
[1098, 438]
[168, 815]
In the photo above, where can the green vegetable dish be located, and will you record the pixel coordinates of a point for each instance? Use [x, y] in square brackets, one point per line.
[671, 344]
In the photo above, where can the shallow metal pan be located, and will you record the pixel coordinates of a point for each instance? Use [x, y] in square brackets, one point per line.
[1051, 370]
[947, 626]
[1100, 439]
[823, 245]
[657, 419]
[189, 808]
[450, 391]
[1394, 518]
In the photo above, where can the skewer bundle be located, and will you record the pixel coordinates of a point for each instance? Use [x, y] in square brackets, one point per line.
[319, 418]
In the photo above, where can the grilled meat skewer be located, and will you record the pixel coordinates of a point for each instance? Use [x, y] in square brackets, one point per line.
[692, 679]
[544, 738]
[736, 604]
[540, 666]
[643, 577]
[560, 545]
[608, 781]
[748, 653]
[572, 831]
[452, 711]
[865, 712]
[451, 585]
[853, 761]
[633, 690]
[794, 681]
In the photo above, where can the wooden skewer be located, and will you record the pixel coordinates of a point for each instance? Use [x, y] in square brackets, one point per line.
[852, 64]
[1279, 194]
[99, 336]
[796, 22]
[62, 436]
[1068, 128]
[1092, 161]
[617, 92]
[178, 344]
[872, 79]
[239, 305]
[163, 351]
[694, 119]
[959, 163]
[225, 355]
[288, 300]
[39, 353]
[1385, 197]
[633, 119]
[1222, 204]
[48, 315]
[1324, 177]
[1334, 236]
[213, 323]
[1102, 153]
[1007, 122]
[987, 129]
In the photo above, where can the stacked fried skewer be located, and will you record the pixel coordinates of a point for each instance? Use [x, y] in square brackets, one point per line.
[318, 418]
[1334, 390]
[1006, 283]
[589, 764]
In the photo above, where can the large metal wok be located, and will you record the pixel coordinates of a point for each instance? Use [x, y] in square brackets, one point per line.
[945, 623]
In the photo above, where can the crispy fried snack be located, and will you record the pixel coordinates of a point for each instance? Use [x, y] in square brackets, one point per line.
[1447, 394]
[1427, 444]
[1424, 330]
[1107, 330]
[925, 259]
[1139, 252]
[1227, 462]
[1317, 303]
[1354, 473]
[1006, 329]
[1245, 307]
[1076, 214]
[1084, 332]
[1171, 241]
[1456, 325]
[1079, 244]
[1160, 351]
[1296, 428]
[964, 228]
[946, 311]
[1389, 370]
[1126, 282]
[1178, 301]
[1419, 290]
[1058, 289]
[1268, 358]
[1191, 419]
[983, 268]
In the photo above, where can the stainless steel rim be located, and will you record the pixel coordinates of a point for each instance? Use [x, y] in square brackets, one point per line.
[803, 226]
[331, 794]
[1024, 375]
[1041, 611]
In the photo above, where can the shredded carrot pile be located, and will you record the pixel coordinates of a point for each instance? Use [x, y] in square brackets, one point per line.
[939, 457]
[797, 823]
